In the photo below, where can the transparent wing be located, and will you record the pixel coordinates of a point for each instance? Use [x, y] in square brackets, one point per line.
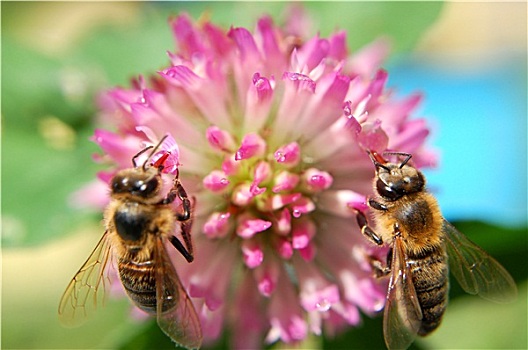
[87, 290]
[402, 315]
[175, 311]
[475, 270]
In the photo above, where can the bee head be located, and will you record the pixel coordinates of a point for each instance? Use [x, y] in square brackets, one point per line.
[137, 182]
[143, 181]
[393, 180]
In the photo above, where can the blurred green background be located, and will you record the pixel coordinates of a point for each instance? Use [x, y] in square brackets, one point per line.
[57, 55]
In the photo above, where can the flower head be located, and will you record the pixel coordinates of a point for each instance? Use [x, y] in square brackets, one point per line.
[271, 132]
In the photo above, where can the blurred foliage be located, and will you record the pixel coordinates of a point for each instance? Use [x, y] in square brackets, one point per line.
[39, 174]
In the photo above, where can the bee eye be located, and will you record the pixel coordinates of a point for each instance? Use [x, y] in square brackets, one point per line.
[388, 191]
[146, 188]
[120, 184]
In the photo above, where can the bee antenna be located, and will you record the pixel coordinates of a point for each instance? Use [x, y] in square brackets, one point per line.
[406, 160]
[153, 151]
[408, 157]
[374, 156]
[138, 154]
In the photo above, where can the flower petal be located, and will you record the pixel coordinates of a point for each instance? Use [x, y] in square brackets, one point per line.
[248, 227]
[252, 146]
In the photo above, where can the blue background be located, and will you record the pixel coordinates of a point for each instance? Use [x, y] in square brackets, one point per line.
[478, 124]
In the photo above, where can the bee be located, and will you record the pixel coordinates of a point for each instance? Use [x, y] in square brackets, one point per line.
[422, 246]
[139, 221]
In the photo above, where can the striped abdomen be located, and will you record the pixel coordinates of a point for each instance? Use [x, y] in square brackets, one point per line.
[430, 279]
[139, 281]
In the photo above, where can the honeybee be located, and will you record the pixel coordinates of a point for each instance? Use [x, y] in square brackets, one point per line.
[139, 221]
[408, 218]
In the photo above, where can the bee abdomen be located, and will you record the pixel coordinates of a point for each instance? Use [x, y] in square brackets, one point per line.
[430, 279]
[139, 281]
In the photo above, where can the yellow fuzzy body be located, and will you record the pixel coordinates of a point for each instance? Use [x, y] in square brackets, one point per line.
[418, 219]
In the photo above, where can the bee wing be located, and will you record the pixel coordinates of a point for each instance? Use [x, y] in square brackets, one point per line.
[402, 316]
[475, 270]
[175, 311]
[87, 290]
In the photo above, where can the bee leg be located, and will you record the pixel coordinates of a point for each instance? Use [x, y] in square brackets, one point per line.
[184, 217]
[366, 230]
[380, 269]
[186, 203]
[177, 190]
[377, 205]
[180, 247]
[187, 250]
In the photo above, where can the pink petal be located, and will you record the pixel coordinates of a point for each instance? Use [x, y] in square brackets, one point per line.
[330, 141]
[285, 181]
[245, 43]
[216, 181]
[369, 58]
[280, 200]
[93, 195]
[262, 87]
[300, 81]
[250, 323]
[316, 180]
[320, 300]
[261, 173]
[342, 202]
[269, 42]
[284, 248]
[217, 225]
[252, 146]
[285, 314]
[266, 286]
[120, 148]
[302, 232]
[411, 136]
[211, 321]
[252, 253]
[298, 23]
[168, 149]
[188, 39]
[376, 88]
[313, 52]
[267, 276]
[348, 311]
[283, 225]
[302, 206]
[289, 154]
[373, 137]
[308, 252]
[247, 227]
[207, 278]
[321, 111]
[258, 103]
[242, 194]
[219, 139]
[182, 76]
[207, 97]
[338, 49]
[230, 166]
[218, 40]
